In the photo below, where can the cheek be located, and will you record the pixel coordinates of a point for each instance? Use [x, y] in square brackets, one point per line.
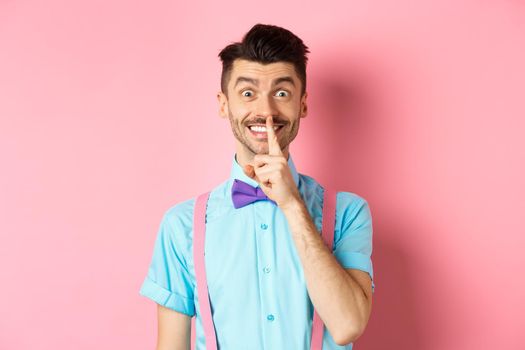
[290, 111]
[291, 106]
[239, 111]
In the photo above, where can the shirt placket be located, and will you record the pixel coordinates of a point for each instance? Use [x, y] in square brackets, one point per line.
[265, 233]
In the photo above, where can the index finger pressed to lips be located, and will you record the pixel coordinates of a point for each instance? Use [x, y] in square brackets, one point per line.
[273, 145]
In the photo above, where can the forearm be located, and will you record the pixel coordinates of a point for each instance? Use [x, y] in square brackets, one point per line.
[337, 297]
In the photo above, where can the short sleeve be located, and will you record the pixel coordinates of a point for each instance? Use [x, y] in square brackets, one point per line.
[168, 281]
[353, 233]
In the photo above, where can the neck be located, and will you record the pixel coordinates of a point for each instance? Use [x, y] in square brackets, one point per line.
[246, 158]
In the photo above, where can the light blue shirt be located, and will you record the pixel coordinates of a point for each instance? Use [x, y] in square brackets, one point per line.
[255, 278]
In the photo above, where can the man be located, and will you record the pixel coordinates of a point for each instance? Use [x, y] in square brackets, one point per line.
[267, 266]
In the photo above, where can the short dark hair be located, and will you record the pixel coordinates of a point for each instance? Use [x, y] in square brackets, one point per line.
[266, 43]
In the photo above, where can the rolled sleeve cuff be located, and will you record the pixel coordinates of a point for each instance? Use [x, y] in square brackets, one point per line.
[164, 297]
[354, 260]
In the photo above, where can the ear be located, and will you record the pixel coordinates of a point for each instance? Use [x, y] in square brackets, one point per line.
[223, 104]
[304, 106]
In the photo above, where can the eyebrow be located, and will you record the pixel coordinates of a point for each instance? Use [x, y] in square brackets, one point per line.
[256, 81]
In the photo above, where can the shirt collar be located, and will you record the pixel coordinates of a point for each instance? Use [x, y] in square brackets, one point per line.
[238, 173]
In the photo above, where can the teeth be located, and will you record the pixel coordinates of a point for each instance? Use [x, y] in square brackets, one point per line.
[258, 128]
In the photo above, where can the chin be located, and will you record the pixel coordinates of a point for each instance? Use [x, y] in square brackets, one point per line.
[262, 151]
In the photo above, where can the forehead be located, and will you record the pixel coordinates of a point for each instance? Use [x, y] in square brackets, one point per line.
[265, 73]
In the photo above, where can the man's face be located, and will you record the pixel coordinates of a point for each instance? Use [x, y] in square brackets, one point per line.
[256, 91]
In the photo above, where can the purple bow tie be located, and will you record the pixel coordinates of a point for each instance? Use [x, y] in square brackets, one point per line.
[244, 194]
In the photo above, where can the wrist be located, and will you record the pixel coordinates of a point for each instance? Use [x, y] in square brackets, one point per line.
[293, 204]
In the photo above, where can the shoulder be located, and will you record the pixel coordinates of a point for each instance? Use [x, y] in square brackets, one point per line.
[177, 222]
[345, 199]
[349, 205]
[352, 210]
[181, 213]
[350, 200]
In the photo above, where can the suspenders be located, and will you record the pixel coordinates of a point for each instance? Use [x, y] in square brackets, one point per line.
[199, 232]
[329, 201]
[199, 229]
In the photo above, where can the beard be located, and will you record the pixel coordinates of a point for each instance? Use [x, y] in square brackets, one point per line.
[286, 134]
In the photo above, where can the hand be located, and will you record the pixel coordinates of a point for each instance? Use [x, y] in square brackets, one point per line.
[272, 173]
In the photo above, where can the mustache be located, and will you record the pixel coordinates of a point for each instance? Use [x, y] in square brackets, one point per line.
[263, 121]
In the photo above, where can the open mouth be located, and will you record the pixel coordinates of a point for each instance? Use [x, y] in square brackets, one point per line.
[259, 131]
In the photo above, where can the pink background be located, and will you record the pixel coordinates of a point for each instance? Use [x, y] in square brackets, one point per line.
[108, 117]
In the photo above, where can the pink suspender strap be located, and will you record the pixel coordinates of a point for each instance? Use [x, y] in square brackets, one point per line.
[199, 231]
[329, 206]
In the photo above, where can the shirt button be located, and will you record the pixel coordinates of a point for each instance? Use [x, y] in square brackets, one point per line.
[270, 317]
[264, 226]
[267, 269]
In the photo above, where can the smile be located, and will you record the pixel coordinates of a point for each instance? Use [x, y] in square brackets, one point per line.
[259, 131]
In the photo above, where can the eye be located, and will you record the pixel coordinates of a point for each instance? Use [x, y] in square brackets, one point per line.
[247, 93]
[282, 93]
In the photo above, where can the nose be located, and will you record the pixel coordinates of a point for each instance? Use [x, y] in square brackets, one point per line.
[265, 107]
